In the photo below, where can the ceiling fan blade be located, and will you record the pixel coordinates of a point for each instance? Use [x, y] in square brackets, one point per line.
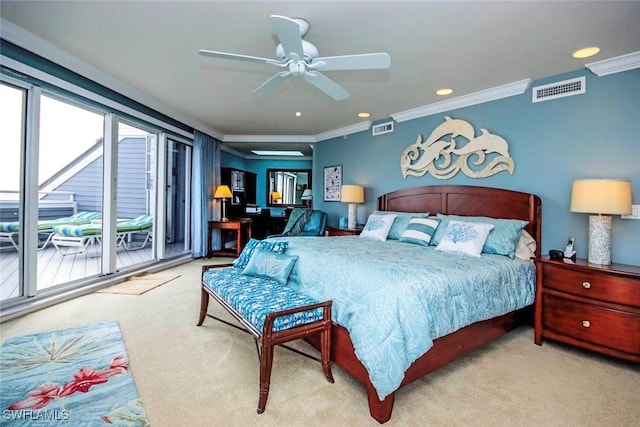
[273, 82]
[288, 32]
[236, 57]
[366, 61]
[326, 85]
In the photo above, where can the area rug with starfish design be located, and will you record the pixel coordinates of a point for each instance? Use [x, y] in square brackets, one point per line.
[75, 376]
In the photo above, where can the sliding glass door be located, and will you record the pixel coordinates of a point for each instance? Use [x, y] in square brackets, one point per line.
[84, 192]
[70, 180]
[136, 195]
[12, 119]
[178, 217]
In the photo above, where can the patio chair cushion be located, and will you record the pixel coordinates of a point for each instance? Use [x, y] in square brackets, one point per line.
[138, 223]
[79, 218]
[77, 230]
[9, 227]
[141, 222]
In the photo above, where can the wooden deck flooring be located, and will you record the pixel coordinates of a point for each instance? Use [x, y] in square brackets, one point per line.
[55, 269]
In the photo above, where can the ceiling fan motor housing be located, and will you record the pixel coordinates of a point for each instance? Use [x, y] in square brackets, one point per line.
[310, 52]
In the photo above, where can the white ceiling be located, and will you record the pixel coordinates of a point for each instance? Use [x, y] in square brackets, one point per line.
[152, 46]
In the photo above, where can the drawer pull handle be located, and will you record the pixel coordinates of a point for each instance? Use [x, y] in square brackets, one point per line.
[586, 285]
[586, 323]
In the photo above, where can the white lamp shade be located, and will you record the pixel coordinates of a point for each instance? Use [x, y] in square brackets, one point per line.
[601, 196]
[352, 194]
[306, 194]
[222, 192]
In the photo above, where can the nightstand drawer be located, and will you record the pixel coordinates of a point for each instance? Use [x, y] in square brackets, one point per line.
[598, 325]
[593, 285]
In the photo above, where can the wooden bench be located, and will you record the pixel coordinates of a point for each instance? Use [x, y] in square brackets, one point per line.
[273, 313]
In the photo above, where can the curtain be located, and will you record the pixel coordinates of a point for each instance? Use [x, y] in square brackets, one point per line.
[206, 177]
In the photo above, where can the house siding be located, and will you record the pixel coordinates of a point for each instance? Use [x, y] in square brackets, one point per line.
[132, 194]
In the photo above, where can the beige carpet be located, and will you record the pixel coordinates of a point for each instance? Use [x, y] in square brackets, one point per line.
[208, 376]
[138, 285]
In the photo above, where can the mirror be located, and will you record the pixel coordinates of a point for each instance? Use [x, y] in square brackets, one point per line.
[285, 186]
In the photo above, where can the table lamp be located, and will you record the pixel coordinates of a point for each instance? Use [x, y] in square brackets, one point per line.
[306, 196]
[352, 194]
[604, 197]
[275, 196]
[223, 192]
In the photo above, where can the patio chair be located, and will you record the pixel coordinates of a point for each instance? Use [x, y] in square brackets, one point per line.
[9, 231]
[79, 237]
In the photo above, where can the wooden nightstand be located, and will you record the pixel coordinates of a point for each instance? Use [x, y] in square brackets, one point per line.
[343, 231]
[589, 306]
[242, 228]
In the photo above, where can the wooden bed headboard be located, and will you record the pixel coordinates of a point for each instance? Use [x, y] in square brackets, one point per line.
[470, 201]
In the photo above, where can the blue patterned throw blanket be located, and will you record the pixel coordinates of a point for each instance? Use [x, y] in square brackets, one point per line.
[395, 298]
[76, 377]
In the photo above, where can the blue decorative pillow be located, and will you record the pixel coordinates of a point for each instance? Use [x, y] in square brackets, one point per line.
[270, 265]
[378, 226]
[465, 237]
[420, 231]
[501, 241]
[253, 244]
[401, 222]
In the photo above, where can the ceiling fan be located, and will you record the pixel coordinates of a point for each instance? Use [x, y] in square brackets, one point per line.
[301, 59]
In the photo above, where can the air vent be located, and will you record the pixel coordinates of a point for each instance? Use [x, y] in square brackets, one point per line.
[382, 128]
[559, 89]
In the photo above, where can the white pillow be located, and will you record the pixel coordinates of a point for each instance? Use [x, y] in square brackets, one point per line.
[526, 247]
[378, 226]
[465, 237]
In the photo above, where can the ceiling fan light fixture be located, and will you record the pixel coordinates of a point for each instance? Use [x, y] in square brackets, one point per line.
[586, 52]
[444, 91]
[364, 115]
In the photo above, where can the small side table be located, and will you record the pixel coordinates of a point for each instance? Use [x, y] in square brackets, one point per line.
[241, 226]
[593, 307]
[343, 231]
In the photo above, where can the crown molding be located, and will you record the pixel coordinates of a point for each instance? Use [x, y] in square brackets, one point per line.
[275, 139]
[499, 92]
[347, 130]
[344, 131]
[615, 65]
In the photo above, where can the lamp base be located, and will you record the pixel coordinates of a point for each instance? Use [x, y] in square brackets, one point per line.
[224, 213]
[599, 240]
[351, 223]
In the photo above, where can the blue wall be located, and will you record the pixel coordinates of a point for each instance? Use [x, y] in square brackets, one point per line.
[593, 135]
[259, 167]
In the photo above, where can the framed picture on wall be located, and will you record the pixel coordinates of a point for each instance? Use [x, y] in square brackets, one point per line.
[332, 183]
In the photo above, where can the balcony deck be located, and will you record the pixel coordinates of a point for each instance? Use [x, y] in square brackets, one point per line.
[54, 269]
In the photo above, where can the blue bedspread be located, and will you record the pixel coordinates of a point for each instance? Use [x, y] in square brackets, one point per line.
[395, 298]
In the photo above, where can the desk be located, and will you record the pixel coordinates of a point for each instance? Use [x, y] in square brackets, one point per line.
[266, 225]
[241, 226]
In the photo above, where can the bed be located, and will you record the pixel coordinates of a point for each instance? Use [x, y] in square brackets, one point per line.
[423, 355]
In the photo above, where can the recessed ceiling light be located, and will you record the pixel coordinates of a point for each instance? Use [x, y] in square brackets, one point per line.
[444, 91]
[276, 153]
[585, 52]
[364, 115]
[298, 113]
